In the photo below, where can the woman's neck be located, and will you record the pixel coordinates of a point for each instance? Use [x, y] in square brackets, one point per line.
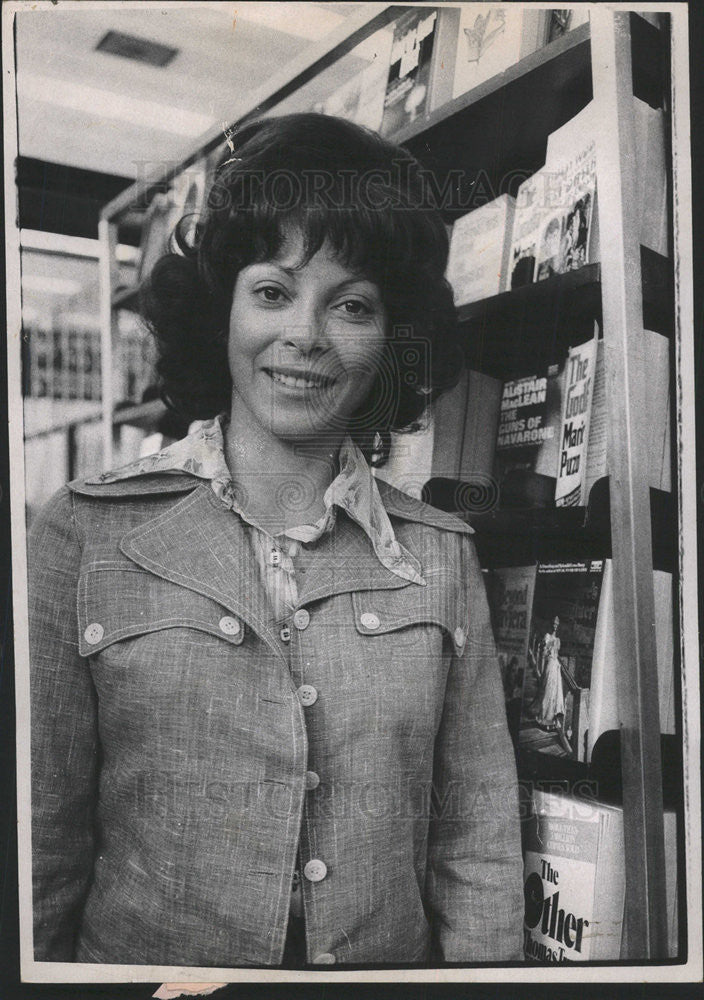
[281, 483]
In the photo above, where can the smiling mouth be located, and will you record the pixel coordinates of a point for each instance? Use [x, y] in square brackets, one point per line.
[299, 380]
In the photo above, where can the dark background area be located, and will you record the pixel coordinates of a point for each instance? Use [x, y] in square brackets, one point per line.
[51, 194]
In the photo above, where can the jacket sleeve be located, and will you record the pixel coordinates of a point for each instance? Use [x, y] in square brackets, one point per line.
[64, 736]
[474, 886]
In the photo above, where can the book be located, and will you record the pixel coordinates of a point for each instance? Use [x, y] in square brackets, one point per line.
[464, 429]
[510, 594]
[449, 413]
[407, 87]
[570, 486]
[527, 441]
[479, 430]
[574, 880]
[652, 193]
[493, 38]
[528, 225]
[557, 681]
[604, 713]
[564, 20]
[480, 245]
[360, 99]
[568, 237]
[655, 427]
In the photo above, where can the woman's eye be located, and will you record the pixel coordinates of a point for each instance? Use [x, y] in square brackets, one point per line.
[270, 293]
[353, 307]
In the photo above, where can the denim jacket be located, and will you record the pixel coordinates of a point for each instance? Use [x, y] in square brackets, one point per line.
[182, 743]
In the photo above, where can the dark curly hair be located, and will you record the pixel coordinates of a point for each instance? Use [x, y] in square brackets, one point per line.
[337, 183]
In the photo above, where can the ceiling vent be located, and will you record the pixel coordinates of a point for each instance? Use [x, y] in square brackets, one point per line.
[139, 49]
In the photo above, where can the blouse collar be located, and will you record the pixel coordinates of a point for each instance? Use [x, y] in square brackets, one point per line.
[354, 490]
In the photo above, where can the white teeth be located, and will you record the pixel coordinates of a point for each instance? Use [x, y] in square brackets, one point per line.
[297, 383]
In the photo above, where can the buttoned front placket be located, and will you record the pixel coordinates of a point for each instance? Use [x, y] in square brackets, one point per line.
[284, 561]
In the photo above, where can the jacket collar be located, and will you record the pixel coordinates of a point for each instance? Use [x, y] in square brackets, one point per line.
[198, 544]
[398, 504]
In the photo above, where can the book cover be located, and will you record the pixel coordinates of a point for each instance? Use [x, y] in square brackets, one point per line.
[656, 427]
[449, 414]
[555, 708]
[568, 237]
[574, 881]
[652, 195]
[564, 20]
[528, 224]
[510, 593]
[604, 714]
[493, 38]
[527, 438]
[361, 98]
[479, 428]
[477, 266]
[570, 488]
[407, 87]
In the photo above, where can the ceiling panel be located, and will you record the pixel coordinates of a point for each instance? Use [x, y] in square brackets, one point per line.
[100, 111]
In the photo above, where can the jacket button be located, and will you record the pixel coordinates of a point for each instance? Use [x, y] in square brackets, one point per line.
[459, 637]
[285, 634]
[312, 780]
[315, 870]
[369, 620]
[228, 625]
[324, 958]
[307, 695]
[301, 618]
[94, 633]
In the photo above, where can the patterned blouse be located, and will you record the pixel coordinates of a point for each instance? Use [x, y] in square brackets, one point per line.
[353, 490]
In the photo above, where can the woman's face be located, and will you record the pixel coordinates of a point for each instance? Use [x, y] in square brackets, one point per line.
[305, 344]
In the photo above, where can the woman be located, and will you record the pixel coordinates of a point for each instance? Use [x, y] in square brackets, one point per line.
[548, 707]
[267, 713]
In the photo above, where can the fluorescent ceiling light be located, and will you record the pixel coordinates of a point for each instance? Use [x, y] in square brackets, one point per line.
[303, 20]
[110, 104]
[54, 286]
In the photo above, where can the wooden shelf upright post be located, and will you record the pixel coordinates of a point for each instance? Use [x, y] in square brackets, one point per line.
[645, 931]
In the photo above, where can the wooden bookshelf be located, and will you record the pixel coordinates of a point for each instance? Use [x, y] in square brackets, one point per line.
[510, 334]
[486, 142]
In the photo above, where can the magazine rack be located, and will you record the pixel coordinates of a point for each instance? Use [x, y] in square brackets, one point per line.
[494, 131]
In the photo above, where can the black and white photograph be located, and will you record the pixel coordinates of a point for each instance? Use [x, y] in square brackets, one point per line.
[350, 368]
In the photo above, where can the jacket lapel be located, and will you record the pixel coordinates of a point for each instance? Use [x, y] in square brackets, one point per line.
[201, 545]
[344, 561]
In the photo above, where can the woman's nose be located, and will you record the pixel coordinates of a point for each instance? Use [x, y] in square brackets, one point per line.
[307, 331]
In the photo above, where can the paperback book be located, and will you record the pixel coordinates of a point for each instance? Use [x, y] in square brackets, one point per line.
[510, 593]
[493, 38]
[477, 267]
[465, 422]
[407, 87]
[570, 488]
[555, 710]
[360, 99]
[527, 441]
[574, 881]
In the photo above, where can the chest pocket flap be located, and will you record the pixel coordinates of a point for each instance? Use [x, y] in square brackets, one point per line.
[442, 603]
[118, 602]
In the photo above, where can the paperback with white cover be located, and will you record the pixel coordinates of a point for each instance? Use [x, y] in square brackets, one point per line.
[477, 267]
[574, 430]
